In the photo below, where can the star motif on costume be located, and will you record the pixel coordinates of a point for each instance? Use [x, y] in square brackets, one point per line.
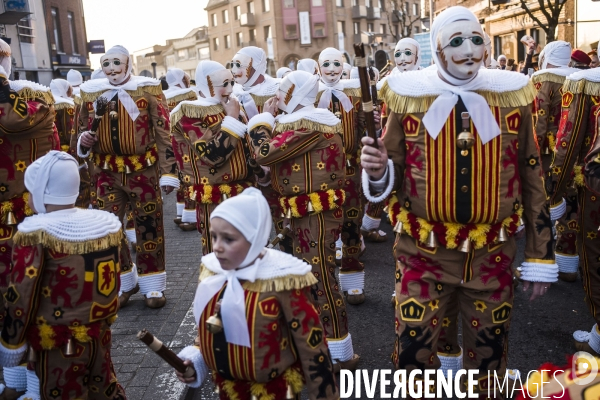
[31, 271]
[439, 287]
[21, 166]
[556, 170]
[286, 181]
[434, 321]
[475, 323]
[212, 171]
[226, 177]
[592, 235]
[186, 179]
[3, 188]
[472, 355]
[185, 158]
[480, 305]
[111, 197]
[315, 260]
[58, 313]
[296, 189]
[551, 119]
[283, 147]
[320, 165]
[533, 161]
[296, 167]
[588, 140]
[46, 291]
[313, 244]
[40, 321]
[324, 186]
[434, 304]
[333, 176]
[204, 180]
[446, 322]
[541, 111]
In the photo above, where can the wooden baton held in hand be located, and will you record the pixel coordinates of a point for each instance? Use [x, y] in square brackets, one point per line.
[365, 89]
[165, 353]
[257, 169]
[280, 236]
[101, 108]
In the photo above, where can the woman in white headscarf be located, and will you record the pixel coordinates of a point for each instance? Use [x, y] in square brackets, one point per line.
[305, 152]
[249, 298]
[208, 136]
[282, 72]
[308, 65]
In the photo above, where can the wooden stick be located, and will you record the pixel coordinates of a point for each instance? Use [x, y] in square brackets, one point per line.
[367, 102]
[165, 353]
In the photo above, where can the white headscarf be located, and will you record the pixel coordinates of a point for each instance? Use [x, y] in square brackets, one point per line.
[309, 65]
[60, 89]
[501, 57]
[557, 53]
[476, 105]
[5, 57]
[74, 77]
[203, 70]
[122, 51]
[354, 73]
[53, 179]
[259, 63]
[175, 77]
[336, 88]
[412, 41]
[306, 87]
[281, 71]
[98, 74]
[249, 213]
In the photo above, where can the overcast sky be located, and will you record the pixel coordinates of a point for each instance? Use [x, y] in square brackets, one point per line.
[137, 24]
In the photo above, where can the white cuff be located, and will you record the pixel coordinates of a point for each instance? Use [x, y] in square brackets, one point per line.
[80, 152]
[131, 237]
[193, 354]
[379, 185]
[232, 125]
[539, 272]
[16, 378]
[11, 357]
[261, 119]
[153, 283]
[557, 211]
[567, 264]
[594, 341]
[33, 387]
[129, 280]
[451, 363]
[369, 223]
[351, 281]
[341, 350]
[189, 216]
[180, 207]
[266, 180]
[167, 180]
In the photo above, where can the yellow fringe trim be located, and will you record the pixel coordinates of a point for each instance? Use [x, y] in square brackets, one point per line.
[260, 100]
[578, 179]
[46, 336]
[307, 124]
[229, 388]
[62, 106]
[289, 282]
[80, 333]
[191, 95]
[477, 235]
[551, 141]
[582, 86]
[62, 246]
[192, 111]
[77, 100]
[405, 104]
[30, 94]
[548, 77]
[349, 92]
[153, 90]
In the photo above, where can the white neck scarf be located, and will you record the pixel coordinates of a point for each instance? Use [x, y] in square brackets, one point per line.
[476, 105]
[336, 89]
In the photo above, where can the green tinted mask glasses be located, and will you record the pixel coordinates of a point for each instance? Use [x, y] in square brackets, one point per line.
[108, 62]
[457, 41]
[405, 52]
[335, 64]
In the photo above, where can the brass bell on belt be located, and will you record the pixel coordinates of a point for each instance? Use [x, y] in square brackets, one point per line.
[31, 356]
[69, 348]
[10, 219]
[148, 162]
[348, 163]
[288, 213]
[113, 115]
[309, 207]
[521, 222]
[106, 165]
[254, 397]
[547, 150]
[399, 227]
[465, 246]
[127, 169]
[431, 240]
[224, 196]
[502, 235]
[214, 324]
[289, 394]
[465, 139]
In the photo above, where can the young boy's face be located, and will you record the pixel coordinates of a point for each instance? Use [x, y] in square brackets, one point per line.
[229, 245]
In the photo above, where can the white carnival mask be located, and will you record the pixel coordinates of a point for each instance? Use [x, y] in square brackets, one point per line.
[461, 49]
[331, 69]
[115, 67]
[220, 84]
[406, 57]
[241, 67]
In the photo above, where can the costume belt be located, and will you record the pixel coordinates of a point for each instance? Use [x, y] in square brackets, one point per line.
[47, 337]
[215, 194]
[312, 203]
[136, 162]
[14, 211]
[450, 234]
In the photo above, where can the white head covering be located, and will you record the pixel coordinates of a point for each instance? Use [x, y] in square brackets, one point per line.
[336, 88]
[488, 48]
[281, 71]
[476, 105]
[60, 88]
[347, 67]
[259, 63]
[354, 73]
[501, 57]
[5, 57]
[249, 213]
[98, 74]
[557, 53]
[53, 179]
[402, 42]
[203, 70]
[122, 51]
[74, 77]
[175, 77]
[309, 65]
[306, 87]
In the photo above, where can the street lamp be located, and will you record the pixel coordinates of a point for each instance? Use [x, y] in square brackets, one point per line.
[154, 68]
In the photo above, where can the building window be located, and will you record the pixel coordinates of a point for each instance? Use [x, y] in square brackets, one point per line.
[341, 27]
[406, 7]
[317, 3]
[250, 7]
[25, 30]
[357, 28]
[355, 3]
[237, 12]
[227, 41]
[370, 27]
[204, 53]
[319, 29]
[182, 54]
[397, 30]
[291, 31]
[416, 29]
[288, 3]
[239, 39]
[191, 53]
[72, 32]
[368, 3]
[382, 29]
[216, 44]
[415, 9]
[225, 16]
[55, 29]
[266, 5]
[339, 3]
[252, 33]
[267, 31]
[214, 20]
